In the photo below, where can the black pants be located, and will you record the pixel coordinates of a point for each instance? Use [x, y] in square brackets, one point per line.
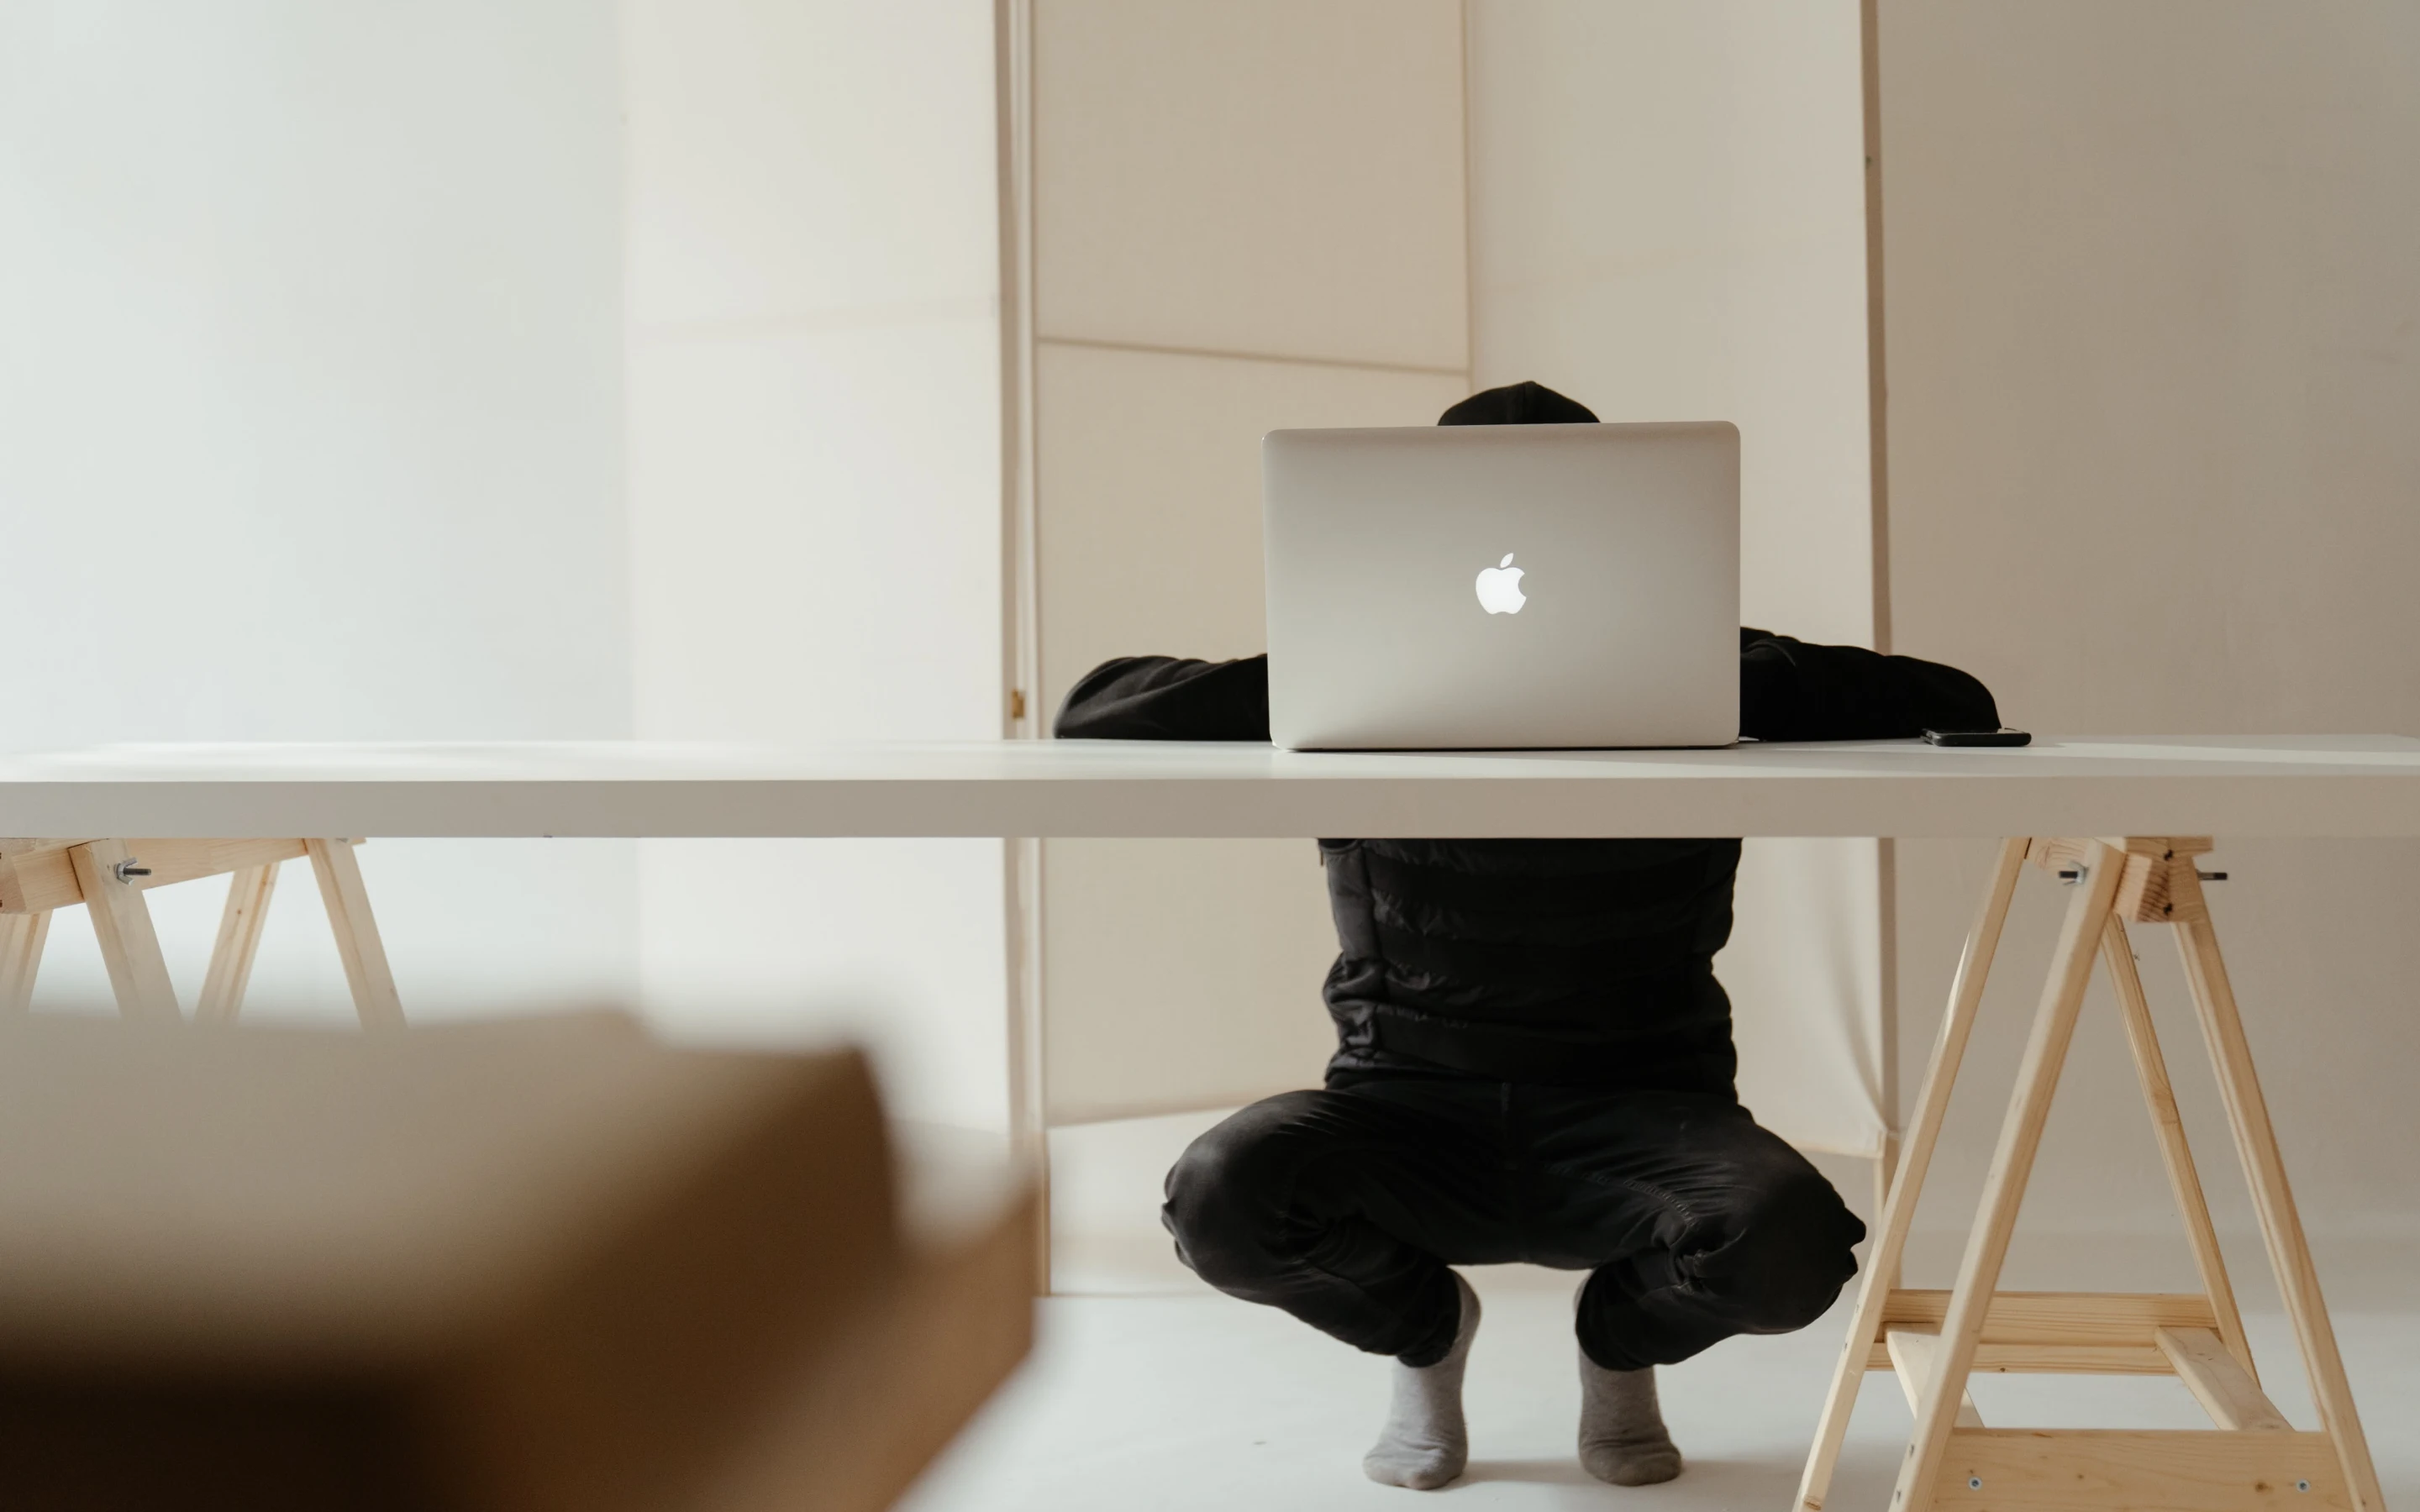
[1345, 1206]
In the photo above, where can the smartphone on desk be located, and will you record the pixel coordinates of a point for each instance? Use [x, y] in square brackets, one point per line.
[1977, 738]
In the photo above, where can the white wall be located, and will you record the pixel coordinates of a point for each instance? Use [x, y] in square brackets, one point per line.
[1666, 223]
[310, 429]
[814, 505]
[312, 420]
[2154, 354]
[1247, 215]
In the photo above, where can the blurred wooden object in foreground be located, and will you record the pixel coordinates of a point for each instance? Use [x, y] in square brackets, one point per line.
[548, 1264]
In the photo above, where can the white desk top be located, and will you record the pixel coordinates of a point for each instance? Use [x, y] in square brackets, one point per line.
[2338, 785]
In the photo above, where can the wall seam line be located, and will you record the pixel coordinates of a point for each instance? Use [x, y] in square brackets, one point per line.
[1469, 261]
[1156, 349]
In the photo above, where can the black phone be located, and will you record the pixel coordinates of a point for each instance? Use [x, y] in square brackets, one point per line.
[1977, 738]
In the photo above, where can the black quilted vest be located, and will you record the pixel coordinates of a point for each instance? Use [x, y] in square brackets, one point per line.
[1575, 962]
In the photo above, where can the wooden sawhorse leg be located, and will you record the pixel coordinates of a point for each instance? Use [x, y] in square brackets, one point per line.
[130, 948]
[1890, 1248]
[109, 877]
[247, 909]
[356, 930]
[1935, 1340]
[350, 919]
[2281, 1227]
[21, 956]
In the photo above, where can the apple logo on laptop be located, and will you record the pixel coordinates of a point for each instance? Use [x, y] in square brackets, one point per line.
[1499, 588]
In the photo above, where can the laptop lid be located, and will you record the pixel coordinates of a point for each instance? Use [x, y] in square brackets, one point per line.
[1503, 586]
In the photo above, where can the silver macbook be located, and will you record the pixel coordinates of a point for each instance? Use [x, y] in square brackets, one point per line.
[1447, 587]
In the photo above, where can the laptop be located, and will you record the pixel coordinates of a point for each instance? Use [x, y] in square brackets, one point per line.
[1469, 587]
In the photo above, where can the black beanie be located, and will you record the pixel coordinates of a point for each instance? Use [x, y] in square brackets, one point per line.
[1518, 404]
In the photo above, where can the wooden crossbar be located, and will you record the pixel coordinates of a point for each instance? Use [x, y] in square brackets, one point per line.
[2035, 1470]
[2218, 1382]
[1912, 1355]
[2061, 1317]
[2113, 1333]
[38, 876]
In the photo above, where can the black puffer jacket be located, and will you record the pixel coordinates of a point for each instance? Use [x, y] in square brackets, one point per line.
[1575, 962]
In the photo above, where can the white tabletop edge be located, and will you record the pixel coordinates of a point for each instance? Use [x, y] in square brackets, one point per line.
[2334, 786]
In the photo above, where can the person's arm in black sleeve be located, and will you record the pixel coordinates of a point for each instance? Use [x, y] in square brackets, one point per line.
[1168, 698]
[1791, 690]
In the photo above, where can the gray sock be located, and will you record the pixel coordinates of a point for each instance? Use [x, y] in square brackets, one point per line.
[1623, 1439]
[1425, 1443]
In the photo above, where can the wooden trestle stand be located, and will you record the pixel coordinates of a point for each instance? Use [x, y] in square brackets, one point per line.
[109, 877]
[1934, 1340]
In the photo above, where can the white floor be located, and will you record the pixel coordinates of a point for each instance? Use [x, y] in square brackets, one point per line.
[1148, 1391]
[1167, 1402]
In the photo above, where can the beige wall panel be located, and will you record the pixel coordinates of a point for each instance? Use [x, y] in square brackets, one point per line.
[1178, 973]
[808, 162]
[1804, 971]
[1280, 176]
[2154, 362]
[1150, 471]
[1668, 222]
[811, 355]
[1183, 972]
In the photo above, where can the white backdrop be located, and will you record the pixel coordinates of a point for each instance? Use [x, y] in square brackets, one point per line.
[814, 505]
[310, 428]
[312, 425]
[1666, 221]
[331, 326]
[2199, 223]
